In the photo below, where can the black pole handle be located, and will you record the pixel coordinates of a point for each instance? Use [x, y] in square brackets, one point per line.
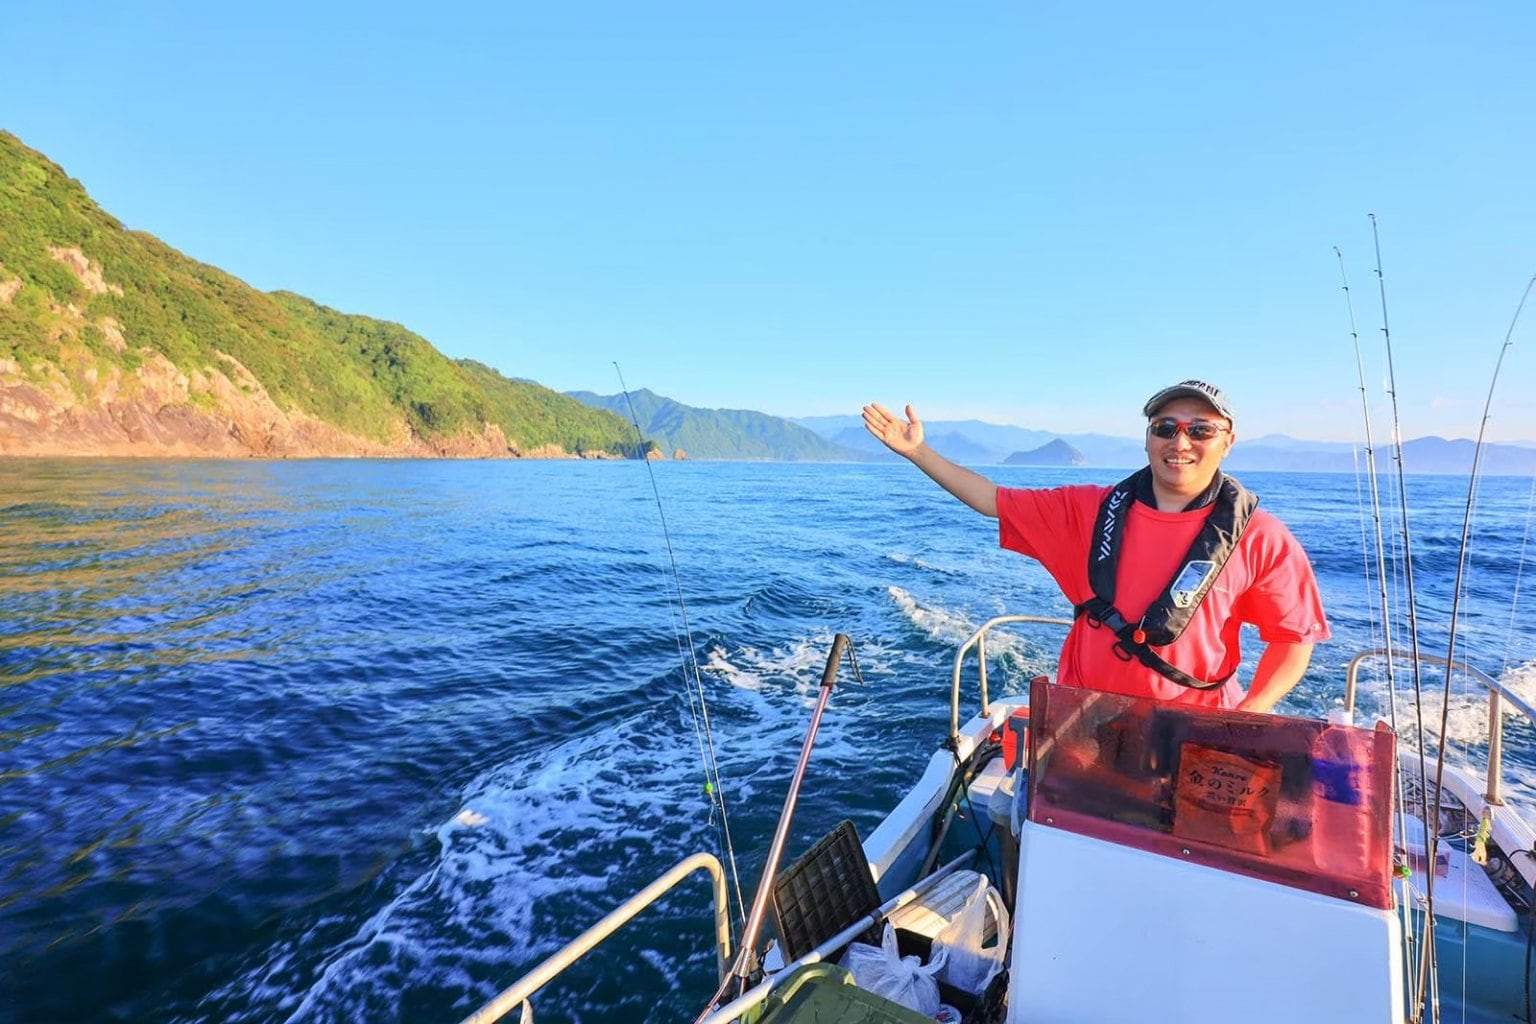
[829, 675]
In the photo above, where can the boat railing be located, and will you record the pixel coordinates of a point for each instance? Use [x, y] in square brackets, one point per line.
[978, 642]
[1498, 696]
[520, 993]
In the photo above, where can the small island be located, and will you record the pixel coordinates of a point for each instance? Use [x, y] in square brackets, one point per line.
[1052, 453]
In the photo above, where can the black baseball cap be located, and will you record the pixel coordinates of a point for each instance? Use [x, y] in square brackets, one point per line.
[1210, 394]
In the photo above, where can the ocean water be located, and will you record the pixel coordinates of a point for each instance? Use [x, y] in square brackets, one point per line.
[341, 740]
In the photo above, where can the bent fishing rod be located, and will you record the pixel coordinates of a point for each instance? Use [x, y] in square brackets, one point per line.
[1461, 561]
[1472, 480]
[693, 683]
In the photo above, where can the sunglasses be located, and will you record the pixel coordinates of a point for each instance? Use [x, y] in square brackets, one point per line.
[1196, 430]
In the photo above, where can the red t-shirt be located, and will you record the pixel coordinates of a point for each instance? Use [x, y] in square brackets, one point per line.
[1267, 582]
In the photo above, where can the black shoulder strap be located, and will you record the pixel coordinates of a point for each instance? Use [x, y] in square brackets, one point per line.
[1108, 532]
[1168, 616]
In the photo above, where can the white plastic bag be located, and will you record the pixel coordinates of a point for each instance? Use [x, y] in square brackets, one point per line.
[885, 972]
[967, 964]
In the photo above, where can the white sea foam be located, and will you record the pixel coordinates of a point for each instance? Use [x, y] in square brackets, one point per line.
[717, 663]
[549, 842]
[1466, 722]
[1466, 714]
[544, 838]
[750, 668]
[797, 667]
[799, 663]
[1020, 657]
[918, 562]
[938, 623]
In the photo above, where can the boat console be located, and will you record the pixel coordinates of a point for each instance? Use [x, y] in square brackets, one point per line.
[1188, 865]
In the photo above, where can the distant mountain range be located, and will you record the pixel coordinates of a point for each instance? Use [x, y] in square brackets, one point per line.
[744, 434]
[1421, 455]
[975, 443]
[692, 433]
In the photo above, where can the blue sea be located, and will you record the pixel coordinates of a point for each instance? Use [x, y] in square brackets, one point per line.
[340, 740]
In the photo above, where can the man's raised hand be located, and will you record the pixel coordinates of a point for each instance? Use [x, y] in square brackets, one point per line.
[905, 438]
[901, 437]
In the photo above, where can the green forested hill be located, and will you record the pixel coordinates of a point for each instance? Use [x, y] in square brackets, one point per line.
[720, 433]
[88, 309]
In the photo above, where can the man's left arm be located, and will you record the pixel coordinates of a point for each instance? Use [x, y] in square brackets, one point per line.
[1284, 603]
[1280, 668]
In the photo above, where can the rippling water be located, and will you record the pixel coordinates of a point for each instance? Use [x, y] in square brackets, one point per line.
[320, 741]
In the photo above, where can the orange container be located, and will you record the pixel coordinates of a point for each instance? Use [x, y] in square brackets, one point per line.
[1015, 731]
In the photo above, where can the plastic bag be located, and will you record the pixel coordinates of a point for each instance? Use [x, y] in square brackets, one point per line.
[968, 964]
[885, 972]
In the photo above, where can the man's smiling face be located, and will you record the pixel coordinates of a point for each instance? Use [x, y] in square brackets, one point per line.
[1183, 468]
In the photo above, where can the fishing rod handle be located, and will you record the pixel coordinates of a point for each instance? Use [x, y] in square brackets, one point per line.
[829, 675]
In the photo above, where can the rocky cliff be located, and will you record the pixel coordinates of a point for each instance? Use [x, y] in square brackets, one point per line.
[112, 343]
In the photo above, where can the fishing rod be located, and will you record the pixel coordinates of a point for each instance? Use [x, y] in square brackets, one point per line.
[1509, 640]
[747, 965]
[1370, 468]
[1466, 524]
[1427, 954]
[1461, 554]
[1514, 597]
[698, 707]
[1378, 532]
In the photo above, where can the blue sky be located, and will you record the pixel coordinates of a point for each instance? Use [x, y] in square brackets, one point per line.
[1030, 213]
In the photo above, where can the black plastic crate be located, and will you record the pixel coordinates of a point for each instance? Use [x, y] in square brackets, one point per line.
[829, 888]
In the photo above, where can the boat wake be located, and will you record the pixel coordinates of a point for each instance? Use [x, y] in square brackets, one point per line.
[1466, 724]
[1020, 657]
[541, 843]
[922, 563]
[939, 624]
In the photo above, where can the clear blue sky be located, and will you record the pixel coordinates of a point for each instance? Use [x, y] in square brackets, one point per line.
[1031, 213]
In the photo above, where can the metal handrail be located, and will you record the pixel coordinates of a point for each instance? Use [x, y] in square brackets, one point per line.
[978, 640]
[520, 992]
[1498, 693]
[733, 1010]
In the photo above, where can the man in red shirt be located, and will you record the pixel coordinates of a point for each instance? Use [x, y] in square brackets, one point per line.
[1162, 569]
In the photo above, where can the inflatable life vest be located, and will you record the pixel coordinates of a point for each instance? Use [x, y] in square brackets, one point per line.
[1167, 617]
